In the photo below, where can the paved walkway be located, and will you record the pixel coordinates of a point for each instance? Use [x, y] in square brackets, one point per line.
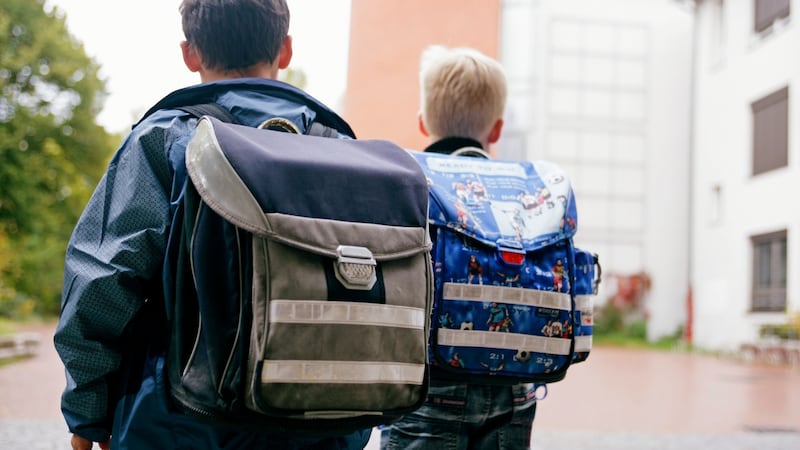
[617, 400]
[631, 399]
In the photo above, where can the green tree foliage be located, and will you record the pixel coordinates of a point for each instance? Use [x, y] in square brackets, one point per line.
[295, 77]
[52, 151]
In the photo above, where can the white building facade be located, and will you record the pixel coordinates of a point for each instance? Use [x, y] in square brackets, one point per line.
[746, 170]
[604, 89]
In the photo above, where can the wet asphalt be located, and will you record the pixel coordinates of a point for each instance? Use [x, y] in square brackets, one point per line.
[618, 399]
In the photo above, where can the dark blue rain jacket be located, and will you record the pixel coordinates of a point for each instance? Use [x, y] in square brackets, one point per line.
[112, 333]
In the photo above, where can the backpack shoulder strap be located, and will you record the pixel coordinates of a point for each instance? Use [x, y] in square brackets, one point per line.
[318, 129]
[207, 92]
[209, 109]
[471, 151]
[219, 112]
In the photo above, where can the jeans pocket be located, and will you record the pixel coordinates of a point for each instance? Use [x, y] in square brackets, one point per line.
[445, 402]
[524, 395]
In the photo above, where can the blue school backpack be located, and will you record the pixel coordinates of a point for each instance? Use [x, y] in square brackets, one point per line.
[512, 294]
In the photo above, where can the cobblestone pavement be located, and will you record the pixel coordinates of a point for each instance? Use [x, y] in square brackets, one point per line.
[617, 400]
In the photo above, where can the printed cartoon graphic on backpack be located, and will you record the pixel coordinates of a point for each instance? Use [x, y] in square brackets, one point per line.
[512, 294]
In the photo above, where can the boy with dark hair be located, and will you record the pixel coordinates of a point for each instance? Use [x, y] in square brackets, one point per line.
[112, 333]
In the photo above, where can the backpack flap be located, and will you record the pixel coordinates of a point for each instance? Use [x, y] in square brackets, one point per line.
[503, 309]
[530, 205]
[277, 173]
[340, 259]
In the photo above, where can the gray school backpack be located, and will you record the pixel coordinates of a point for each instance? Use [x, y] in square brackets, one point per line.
[304, 287]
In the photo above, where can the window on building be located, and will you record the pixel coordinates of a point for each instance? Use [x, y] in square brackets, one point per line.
[768, 11]
[771, 131]
[769, 272]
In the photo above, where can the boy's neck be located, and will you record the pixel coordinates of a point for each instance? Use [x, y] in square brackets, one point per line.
[261, 70]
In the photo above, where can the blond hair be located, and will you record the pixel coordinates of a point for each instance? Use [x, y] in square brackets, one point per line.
[462, 92]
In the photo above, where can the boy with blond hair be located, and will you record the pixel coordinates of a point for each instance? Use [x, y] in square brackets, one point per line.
[462, 99]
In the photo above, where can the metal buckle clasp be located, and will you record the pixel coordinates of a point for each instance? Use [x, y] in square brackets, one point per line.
[355, 267]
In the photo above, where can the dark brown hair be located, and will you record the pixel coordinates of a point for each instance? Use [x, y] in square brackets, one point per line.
[235, 34]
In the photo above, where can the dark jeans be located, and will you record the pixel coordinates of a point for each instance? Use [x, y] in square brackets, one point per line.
[467, 417]
[144, 421]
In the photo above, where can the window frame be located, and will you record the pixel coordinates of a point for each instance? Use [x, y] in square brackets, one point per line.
[769, 296]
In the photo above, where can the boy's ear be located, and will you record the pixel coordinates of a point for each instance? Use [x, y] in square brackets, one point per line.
[285, 55]
[494, 134]
[190, 57]
[422, 128]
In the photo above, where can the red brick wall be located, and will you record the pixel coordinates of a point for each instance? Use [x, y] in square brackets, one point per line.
[386, 39]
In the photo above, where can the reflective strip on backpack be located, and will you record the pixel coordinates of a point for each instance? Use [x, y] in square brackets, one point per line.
[502, 340]
[583, 343]
[583, 303]
[345, 313]
[509, 295]
[341, 372]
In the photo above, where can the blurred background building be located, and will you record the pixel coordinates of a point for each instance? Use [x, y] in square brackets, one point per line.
[671, 118]
[745, 166]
